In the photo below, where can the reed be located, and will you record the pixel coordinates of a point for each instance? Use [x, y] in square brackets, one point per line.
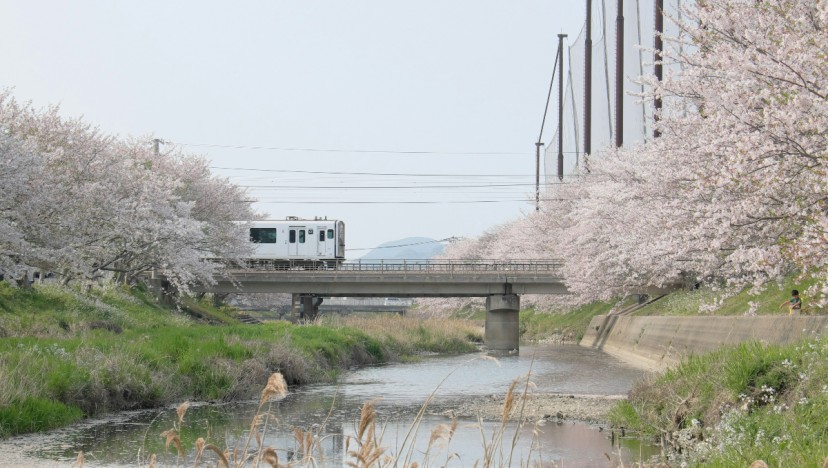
[364, 449]
[407, 335]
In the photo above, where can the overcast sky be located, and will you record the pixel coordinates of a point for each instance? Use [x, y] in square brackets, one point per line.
[403, 119]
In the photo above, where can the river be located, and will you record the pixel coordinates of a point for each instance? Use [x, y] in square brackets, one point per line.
[399, 391]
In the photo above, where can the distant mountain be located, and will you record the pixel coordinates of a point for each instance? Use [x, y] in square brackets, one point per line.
[409, 248]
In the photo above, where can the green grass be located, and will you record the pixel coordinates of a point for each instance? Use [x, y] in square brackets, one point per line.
[739, 404]
[766, 302]
[570, 325]
[113, 349]
[35, 415]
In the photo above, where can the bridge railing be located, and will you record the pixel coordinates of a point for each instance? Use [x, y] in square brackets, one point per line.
[477, 265]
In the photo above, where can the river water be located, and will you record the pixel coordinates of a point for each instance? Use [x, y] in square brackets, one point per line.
[399, 390]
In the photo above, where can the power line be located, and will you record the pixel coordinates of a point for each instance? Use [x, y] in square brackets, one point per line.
[363, 151]
[382, 174]
[385, 174]
[447, 239]
[383, 202]
[380, 187]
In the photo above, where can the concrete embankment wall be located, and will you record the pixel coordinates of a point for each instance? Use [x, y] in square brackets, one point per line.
[659, 342]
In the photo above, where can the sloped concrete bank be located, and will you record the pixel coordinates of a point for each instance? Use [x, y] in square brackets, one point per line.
[656, 343]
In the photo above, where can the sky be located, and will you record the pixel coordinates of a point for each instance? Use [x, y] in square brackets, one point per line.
[415, 118]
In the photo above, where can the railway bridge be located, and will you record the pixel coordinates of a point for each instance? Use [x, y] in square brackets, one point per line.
[500, 282]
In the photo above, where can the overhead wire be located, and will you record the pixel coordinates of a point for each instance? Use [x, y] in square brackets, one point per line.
[384, 174]
[457, 186]
[363, 151]
[436, 241]
[381, 187]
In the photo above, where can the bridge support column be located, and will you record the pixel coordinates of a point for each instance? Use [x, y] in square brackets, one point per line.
[163, 290]
[502, 328]
[310, 307]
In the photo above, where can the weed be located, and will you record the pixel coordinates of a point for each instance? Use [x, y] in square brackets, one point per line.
[36, 414]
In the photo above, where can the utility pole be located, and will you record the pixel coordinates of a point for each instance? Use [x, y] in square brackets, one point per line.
[560, 106]
[588, 86]
[658, 60]
[537, 175]
[619, 75]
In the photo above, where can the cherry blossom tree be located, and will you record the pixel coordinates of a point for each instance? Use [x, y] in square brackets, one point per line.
[101, 204]
[18, 165]
[734, 190]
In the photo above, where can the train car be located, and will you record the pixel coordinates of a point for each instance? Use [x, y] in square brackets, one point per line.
[297, 243]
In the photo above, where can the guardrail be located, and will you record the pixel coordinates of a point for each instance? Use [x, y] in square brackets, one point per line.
[361, 301]
[545, 266]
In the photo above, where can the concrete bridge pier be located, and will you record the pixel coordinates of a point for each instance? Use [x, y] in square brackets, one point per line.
[308, 306]
[502, 326]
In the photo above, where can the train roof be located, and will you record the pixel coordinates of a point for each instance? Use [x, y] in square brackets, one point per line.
[291, 220]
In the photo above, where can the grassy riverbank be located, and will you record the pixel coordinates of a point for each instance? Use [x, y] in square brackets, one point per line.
[564, 327]
[65, 355]
[739, 404]
[570, 325]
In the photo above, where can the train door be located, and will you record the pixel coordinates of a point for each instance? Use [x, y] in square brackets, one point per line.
[321, 243]
[296, 240]
[340, 240]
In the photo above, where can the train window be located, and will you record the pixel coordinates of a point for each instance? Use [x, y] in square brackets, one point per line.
[263, 235]
[293, 236]
[330, 233]
[301, 236]
[321, 235]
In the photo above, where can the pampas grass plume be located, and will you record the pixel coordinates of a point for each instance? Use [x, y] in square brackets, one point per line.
[172, 438]
[270, 457]
[181, 411]
[79, 461]
[276, 387]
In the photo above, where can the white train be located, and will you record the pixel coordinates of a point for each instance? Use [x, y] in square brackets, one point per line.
[297, 243]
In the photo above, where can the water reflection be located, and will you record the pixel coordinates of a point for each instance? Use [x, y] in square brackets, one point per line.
[332, 412]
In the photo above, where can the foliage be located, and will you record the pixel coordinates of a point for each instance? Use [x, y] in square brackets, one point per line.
[713, 301]
[739, 404]
[113, 349]
[406, 336]
[79, 204]
[731, 194]
[36, 415]
[570, 325]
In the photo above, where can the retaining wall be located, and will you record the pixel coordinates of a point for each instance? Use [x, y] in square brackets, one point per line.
[656, 343]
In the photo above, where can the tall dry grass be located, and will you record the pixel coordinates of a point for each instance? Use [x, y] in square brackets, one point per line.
[365, 448]
[405, 335]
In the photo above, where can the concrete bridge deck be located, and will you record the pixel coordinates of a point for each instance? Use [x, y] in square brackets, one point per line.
[500, 282]
[477, 278]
